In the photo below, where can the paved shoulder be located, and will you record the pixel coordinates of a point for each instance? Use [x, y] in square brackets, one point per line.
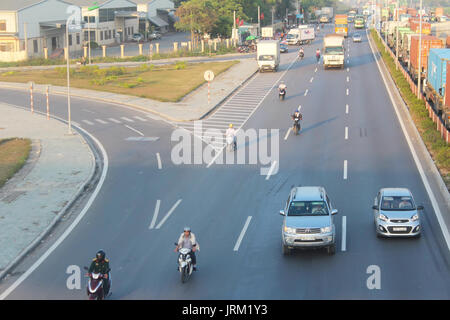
[58, 167]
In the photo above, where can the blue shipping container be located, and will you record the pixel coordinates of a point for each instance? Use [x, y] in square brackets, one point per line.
[437, 65]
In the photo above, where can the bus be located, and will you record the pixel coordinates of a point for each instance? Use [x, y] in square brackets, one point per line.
[359, 22]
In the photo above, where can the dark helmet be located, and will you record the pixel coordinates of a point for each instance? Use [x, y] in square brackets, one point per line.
[100, 255]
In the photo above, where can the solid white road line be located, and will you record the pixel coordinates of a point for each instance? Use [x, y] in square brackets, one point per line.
[426, 184]
[287, 133]
[47, 253]
[114, 120]
[101, 121]
[158, 157]
[88, 122]
[306, 92]
[241, 236]
[272, 167]
[344, 234]
[346, 133]
[346, 108]
[155, 214]
[345, 169]
[168, 214]
[137, 131]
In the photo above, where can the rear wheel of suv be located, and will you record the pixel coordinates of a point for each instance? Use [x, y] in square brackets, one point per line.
[286, 250]
[331, 249]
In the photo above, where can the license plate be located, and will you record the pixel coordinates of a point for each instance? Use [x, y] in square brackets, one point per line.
[307, 238]
[399, 229]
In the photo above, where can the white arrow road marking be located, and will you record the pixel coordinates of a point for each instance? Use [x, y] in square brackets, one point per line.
[155, 214]
[344, 234]
[137, 131]
[241, 236]
[168, 214]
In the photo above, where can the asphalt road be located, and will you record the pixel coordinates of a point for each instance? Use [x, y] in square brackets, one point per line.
[217, 201]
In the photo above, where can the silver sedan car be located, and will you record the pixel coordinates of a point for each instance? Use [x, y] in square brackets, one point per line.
[356, 37]
[396, 213]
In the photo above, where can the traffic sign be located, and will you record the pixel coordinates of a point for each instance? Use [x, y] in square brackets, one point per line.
[209, 75]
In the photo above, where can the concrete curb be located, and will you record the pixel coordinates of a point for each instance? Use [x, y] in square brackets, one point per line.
[162, 115]
[89, 184]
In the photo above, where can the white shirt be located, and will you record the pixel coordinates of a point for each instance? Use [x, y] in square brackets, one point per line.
[230, 132]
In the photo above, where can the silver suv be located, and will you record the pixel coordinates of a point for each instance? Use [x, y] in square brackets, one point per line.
[308, 220]
[396, 214]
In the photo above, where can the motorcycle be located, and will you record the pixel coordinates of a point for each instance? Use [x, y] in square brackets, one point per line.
[185, 266]
[281, 94]
[243, 49]
[318, 56]
[296, 126]
[231, 143]
[301, 54]
[94, 289]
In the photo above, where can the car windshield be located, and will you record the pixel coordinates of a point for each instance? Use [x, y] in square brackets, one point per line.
[290, 36]
[308, 208]
[356, 35]
[266, 57]
[397, 203]
[334, 50]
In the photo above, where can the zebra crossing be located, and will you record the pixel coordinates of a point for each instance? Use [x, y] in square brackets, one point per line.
[236, 110]
[119, 120]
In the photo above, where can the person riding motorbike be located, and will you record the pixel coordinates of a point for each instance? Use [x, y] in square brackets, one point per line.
[318, 54]
[101, 265]
[301, 53]
[187, 240]
[231, 132]
[297, 115]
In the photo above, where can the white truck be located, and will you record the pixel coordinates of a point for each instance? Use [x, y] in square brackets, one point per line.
[328, 11]
[302, 34]
[268, 55]
[333, 51]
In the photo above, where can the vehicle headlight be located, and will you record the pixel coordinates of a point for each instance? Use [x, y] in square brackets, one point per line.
[415, 217]
[289, 230]
[383, 217]
[325, 230]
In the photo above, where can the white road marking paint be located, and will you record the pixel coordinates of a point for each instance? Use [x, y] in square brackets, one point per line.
[347, 91]
[306, 92]
[101, 121]
[241, 236]
[137, 131]
[348, 69]
[345, 169]
[158, 157]
[346, 133]
[426, 184]
[315, 70]
[344, 234]
[126, 119]
[272, 167]
[348, 60]
[114, 120]
[139, 118]
[155, 214]
[311, 80]
[348, 79]
[25, 275]
[287, 133]
[88, 111]
[88, 122]
[346, 108]
[168, 214]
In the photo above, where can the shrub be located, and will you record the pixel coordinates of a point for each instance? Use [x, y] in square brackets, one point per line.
[9, 73]
[180, 65]
[127, 85]
[89, 70]
[115, 71]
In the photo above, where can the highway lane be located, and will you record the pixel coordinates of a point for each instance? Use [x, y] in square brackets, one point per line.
[217, 202]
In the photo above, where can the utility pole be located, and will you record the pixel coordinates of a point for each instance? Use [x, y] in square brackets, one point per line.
[420, 52]
[259, 21]
[68, 77]
[396, 44]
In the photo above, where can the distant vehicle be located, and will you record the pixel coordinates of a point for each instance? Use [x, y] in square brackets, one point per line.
[284, 47]
[268, 55]
[137, 37]
[356, 37]
[323, 19]
[155, 36]
[308, 220]
[396, 213]
[333, 51]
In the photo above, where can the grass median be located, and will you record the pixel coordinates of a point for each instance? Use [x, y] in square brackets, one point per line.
[167, 83]
[13, 155]
[437, 146]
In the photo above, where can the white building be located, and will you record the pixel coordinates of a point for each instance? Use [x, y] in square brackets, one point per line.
[158, 13]
[113, 21]
[29, 26]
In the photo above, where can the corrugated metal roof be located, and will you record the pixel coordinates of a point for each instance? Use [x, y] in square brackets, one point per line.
[14, 5]
[158, 21]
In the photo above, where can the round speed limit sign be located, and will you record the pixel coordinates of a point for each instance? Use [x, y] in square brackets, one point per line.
[209, 75]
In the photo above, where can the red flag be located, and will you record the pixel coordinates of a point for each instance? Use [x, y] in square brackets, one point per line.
[242, 22]
[262, 16]
[237, 21]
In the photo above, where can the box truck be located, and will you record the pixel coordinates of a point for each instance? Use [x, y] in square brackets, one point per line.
[268, 55]
[333, 51]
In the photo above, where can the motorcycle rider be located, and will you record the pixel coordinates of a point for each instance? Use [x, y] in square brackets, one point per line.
[297, 115]
[301, 53]
[231, 132]
[187, 240]
[101, 265]
[318, 54]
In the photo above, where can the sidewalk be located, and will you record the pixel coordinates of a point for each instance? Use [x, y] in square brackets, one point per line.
[57, 169]
[192, 107]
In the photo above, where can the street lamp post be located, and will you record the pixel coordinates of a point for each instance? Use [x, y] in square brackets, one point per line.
[68, 76]
[420, 52]
[396, 44]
